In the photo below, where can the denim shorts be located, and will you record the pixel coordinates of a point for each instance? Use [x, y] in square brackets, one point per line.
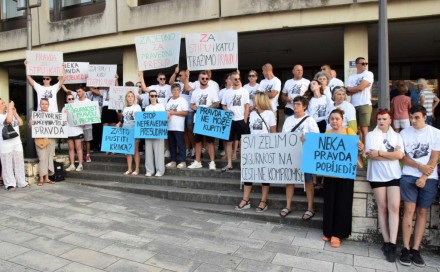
[189, 119]
[423, 197]
[308, 178]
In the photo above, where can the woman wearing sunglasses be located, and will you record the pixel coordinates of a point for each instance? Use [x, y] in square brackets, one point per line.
[75, 135]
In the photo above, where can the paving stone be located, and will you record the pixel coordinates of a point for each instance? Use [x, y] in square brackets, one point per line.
[212, 268]
[374, 263]
[51, 221]
[8, 250]
[308, 242]
[171, 249]
[235, 240]
[128, 252]
[19, 223]
[233, 231]
[86, 241]
[268, 227]
[90, 257]
[290, 230]
[15, 236]
[12, 267]
[302, 263]
[280, 248]
[348, 268]
[212, 246]
[177, 238]
[49, 246]
[40, 261]
[349, 248]
[107, 207]
[261, 255]
[324, 255]
[126, 238]
[223, 260]
[256, 266]
[129, 266]
[173, 263]
[89, 219]
[82, 228]
[272, 237]
[201, 225]
[225, 220]
[51, 232]
[413, 268]
[77, 267]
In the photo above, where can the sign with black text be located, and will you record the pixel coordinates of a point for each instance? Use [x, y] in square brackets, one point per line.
[213, 122]
[117, 140]
[151, 125]
[49, 125]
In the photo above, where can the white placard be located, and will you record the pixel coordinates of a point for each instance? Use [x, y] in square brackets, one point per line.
[49, 125]
[271, 158]
[44, 63]
[157, 51]
[117, 96]
[101, 75]
[211, 50]
[76, 72]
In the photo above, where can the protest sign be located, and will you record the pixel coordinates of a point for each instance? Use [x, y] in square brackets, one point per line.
[151, 125]
[330, 155]
[213, 122]
[117, 140]
[117, 96]
[157, 51]
[44, 63]
[271, 158]
[101, 75]
[83, 112]
[49, 125]
[211, 50]
[76, 72]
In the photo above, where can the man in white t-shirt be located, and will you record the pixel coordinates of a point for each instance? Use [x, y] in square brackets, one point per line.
[359, 87]
[88, 131]
[294, 87]
[333, 82]
[271, 85]
[163, 90]
[419, 182]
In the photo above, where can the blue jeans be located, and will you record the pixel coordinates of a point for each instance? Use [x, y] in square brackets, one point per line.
[176, 141]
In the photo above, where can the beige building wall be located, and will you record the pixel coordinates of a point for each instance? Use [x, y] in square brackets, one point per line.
[4, 84]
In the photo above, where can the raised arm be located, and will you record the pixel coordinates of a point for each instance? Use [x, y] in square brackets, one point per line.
[174, 75]
[144, 87]
[29, 78]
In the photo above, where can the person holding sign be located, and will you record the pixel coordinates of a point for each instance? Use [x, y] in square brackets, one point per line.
[262, 120]
[177, 109]
[338, 192]
[128, 114]
[74, 140]
[300, 122]
[384, 148]
[45, 151]
[163, 90]
[204, 96]
[88, 128]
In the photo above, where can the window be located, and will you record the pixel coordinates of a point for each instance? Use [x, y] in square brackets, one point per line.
[68, 9]
[9, 9]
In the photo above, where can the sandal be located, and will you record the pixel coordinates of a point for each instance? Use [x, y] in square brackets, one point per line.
[258, 209]
[335, 242]
[49, 182]
[127, 173]
[308, 215]
[226, 168]
[11, 188]
[285, 212]
[247, 205]
[135, 173]
[40, 183]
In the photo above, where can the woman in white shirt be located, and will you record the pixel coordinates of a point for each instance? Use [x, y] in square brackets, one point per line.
[318, 104]
[74, 140]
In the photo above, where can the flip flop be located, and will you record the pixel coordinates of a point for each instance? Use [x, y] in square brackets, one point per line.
[127, 173]
[308, 215]
[285, 212]
[49, 182]
[40, 183]
[135, 173]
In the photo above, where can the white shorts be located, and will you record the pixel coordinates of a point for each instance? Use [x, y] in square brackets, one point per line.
[402, 123]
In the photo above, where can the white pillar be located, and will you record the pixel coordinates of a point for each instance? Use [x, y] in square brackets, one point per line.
[355, 45]
[4, 84]
[129, 65]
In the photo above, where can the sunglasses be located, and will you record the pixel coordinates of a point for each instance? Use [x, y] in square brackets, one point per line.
[161, 78]
[70, 99]
[252, 76]
[204, 78]
[363, 63]
[153, 95]
[237, 79]
[46, 78]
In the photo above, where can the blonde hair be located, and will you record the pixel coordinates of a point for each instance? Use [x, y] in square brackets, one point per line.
[126, 100]
[262, 101]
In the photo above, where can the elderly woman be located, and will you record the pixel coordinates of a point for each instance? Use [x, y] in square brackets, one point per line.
[339, 98]
[384, 148]
[324, 79]
[74, 140]
[11, 150]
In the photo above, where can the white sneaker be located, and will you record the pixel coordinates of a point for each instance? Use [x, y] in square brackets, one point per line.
[79, 168]
[212, 165]
[222, 153]
[181, 165]
[195, 165]
[171, 164]
[159, 174]
[167, 154]
[71, 168]
[148, 174]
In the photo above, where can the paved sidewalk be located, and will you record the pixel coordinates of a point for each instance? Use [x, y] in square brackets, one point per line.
[66, 227]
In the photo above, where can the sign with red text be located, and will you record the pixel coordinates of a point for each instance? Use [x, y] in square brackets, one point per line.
[157, 51]
[101, 75]
[44, 63]
[76, 72]
[117, 96]
[211, 50]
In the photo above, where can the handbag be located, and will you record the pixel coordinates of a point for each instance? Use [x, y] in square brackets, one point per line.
[41, 142]
[8, 132]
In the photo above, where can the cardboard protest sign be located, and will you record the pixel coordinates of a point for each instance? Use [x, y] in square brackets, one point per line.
[101, 75]
[76, 72]
[117, 140]
[211, 50]
[117, 96]
[271, 158]
[49, 125]
[213, 122]
[44, 63]
[83, 112]
[157, 51]
[330, 155]
[151, 125]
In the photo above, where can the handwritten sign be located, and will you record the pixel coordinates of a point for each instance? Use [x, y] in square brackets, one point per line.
[271, 158]
[157, 51]
[151, 125]
[49, 125]
[117, 96]
[211, 50]
[330, 155]
[83, 112]
[117, 140]
[76, 72]
[213, 122]
[101, 75]
[44, 63]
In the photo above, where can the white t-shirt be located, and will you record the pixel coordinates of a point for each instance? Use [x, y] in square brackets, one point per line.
[328, 93]
[334, 82]
[105, 97]
[256, 124]
[14, 144]
[73, 130]
[317, 108]
[128, 114]
[349, 113]
[252, 90]
[418, 144]
[309, 125]
[47, 92]
[186, 94]
[204, 97]
[163, 93]
[145, 100]
[211, 83]
[363, 97]
[268, 85]
[177, 122]
[156, 107]
[236, 100]
[383, 171]
[293, 88]
[221, 93]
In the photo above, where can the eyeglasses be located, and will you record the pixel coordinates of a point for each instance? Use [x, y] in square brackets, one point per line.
[237, 79]
[252, 75]
[204, 78]
[363, 63]
[70, 99]
[153, 95]
[161, 78]
[46, 78]
[297, 103]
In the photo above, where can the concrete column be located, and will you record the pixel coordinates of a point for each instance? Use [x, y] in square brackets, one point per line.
[355, 45]
[129, 65]
[4, 84]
